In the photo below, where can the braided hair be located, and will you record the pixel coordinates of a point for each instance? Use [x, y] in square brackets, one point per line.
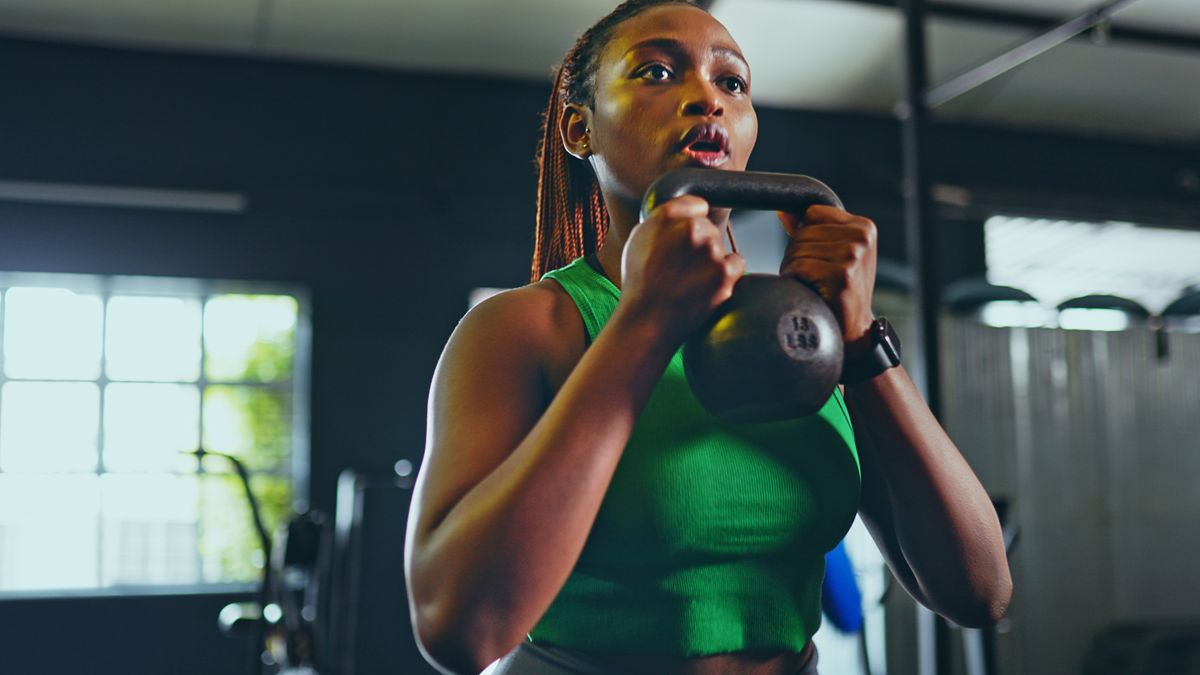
[572, 220]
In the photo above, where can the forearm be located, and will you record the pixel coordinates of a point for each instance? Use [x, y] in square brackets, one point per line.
[944, 520]
[502, 553]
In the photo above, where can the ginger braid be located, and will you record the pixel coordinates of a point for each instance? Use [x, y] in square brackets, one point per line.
[572, 220]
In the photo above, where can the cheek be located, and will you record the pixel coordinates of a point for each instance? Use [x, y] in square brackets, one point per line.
[747, 134]
[625, 130]
[629, 144]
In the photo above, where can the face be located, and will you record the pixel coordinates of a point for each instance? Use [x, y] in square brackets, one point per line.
[672, 90]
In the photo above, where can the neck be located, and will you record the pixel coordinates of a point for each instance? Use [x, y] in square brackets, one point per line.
[622, 217]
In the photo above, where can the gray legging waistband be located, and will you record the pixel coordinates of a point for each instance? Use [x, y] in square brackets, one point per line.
[531, 659]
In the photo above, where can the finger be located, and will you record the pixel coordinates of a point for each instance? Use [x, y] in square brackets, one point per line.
[793, 224]
[703, 232]
[826, 276]
[687, 206]
[789, 221]
[858, 232]
[816, 213]
[820, 213]
[824, 232]
[716, 249]
[735, 266]
[830, 251]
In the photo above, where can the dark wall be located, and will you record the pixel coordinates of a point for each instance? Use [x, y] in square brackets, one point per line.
[146, 635]
[389, 196]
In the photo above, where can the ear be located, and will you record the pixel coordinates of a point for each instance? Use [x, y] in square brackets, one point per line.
[574, 126]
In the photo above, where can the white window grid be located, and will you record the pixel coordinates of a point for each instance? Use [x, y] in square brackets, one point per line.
[125, 565]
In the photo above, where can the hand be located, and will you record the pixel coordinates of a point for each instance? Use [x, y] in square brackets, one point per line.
[835, 252]
[674, 269]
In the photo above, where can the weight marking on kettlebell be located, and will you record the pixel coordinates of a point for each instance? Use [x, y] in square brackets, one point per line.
[798, 335]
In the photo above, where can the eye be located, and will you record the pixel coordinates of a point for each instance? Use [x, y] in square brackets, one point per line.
[655, 71]
[736, 85]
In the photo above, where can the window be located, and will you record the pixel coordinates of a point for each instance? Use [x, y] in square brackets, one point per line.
[108, 387]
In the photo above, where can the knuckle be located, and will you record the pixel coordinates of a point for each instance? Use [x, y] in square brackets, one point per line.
[683, 207]
[669, 210]
[870, 232]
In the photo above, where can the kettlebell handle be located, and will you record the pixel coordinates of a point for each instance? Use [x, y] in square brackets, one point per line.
[755, 190]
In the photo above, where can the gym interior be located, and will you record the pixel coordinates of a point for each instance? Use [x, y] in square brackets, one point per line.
[235, 238]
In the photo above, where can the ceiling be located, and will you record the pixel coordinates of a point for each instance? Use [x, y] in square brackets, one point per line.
[814, 54]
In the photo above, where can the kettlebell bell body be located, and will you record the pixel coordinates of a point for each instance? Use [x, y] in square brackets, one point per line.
[772, 351]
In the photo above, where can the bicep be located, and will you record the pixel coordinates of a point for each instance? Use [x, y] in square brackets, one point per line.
[486, 395]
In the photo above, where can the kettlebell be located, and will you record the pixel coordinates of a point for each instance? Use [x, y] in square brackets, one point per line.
[773, 350]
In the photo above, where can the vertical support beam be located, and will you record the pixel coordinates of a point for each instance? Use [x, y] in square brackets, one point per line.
[933, 633]
[919, 230]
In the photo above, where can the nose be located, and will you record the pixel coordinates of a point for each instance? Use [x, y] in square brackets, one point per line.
[701, 97]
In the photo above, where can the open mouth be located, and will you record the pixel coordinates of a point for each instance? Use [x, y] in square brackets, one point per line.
[706, 144]
[707, 154]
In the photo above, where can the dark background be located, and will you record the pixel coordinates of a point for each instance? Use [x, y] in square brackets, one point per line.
[390, 196]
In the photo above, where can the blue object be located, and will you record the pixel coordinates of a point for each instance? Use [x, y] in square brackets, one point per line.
[840, 598]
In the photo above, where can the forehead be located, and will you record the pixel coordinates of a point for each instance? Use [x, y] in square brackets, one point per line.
[690, 26]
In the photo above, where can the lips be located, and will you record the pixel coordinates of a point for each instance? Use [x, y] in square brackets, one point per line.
[707, 144]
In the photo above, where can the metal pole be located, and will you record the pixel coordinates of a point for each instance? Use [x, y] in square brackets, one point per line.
[919, 231]
[933, 640]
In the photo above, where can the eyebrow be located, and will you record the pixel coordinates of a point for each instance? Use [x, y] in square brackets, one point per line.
[673, 45]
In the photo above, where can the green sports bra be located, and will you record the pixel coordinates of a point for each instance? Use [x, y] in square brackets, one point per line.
[711, 536]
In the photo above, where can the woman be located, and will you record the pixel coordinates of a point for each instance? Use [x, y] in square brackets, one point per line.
[576, 510]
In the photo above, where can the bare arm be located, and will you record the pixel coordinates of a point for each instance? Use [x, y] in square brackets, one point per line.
[922, 503]
[924, 506]
[485, 566]
[508, 490]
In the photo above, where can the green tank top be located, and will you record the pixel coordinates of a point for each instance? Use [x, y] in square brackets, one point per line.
[711, 536]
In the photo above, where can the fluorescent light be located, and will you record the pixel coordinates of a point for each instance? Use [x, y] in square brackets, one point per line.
[121, 196]
[1055, 260]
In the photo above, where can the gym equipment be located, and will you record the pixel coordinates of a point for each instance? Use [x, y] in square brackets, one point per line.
[773, 350]
[336, 601]
[841, 599]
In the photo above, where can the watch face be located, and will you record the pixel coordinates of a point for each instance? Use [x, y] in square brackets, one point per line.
[889, 340]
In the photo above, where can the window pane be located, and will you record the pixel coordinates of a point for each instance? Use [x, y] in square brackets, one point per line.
[103, 398]
[251, 423]
[149, 530]
[229, 545]
[153, 339]
[49, 426]
[51, 333]
[48, 536]
[147, 426]
[249, 337]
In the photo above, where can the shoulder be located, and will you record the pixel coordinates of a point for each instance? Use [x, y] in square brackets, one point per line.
[537, 322]
[541, 311]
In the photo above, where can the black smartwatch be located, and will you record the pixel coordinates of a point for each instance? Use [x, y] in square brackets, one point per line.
[884, 353]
